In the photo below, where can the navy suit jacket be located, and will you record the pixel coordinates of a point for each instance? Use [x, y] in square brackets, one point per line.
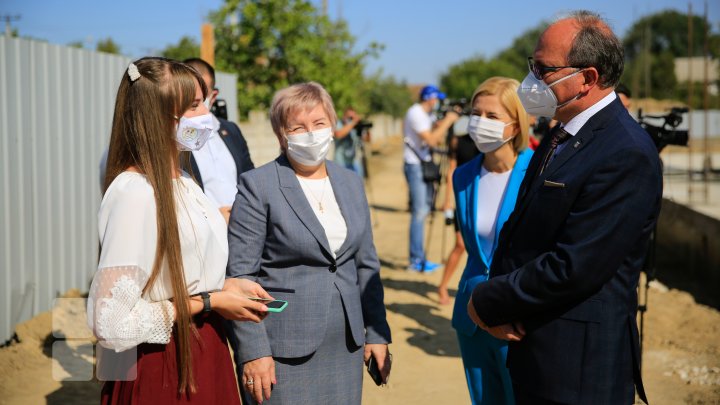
[569, 259]
[232, 136]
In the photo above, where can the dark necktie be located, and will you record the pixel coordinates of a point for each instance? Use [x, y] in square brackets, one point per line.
[559, 136]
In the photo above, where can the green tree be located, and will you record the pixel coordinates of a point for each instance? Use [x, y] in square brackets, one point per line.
[279, 42]
[387, 95]
[651, 45]
[108, 46]
[522, 47]
[665, 31]
[461, 79]
[186, 48]
[76, 44]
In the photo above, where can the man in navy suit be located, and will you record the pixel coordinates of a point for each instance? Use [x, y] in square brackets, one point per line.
[565, 273]
[225, 156]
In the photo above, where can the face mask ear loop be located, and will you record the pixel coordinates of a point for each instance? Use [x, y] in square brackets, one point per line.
[565, 78]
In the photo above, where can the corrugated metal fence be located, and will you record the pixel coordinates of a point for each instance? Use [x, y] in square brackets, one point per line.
[56, 107]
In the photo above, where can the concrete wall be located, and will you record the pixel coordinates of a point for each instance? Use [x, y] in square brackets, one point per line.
[689, 244]
[264, 146]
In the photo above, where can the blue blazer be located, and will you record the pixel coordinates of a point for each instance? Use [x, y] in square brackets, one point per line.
[465, 184]
[568, 262]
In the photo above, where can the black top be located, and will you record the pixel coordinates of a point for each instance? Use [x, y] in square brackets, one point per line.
[463, 149]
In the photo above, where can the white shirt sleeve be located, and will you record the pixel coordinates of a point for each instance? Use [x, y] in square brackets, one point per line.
[117, 312]
[121, 318]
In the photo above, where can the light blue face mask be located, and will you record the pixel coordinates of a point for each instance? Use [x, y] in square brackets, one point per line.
[538, 99]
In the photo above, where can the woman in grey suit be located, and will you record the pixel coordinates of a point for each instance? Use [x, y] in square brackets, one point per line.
[300, 227]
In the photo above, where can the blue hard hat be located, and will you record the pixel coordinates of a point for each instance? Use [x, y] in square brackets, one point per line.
[431, 91]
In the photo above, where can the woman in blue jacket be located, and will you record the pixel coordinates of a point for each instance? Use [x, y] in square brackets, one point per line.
[486, 189]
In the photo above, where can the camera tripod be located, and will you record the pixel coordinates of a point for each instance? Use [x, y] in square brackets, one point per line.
[649, 269]
[433, 201]
[366, 176]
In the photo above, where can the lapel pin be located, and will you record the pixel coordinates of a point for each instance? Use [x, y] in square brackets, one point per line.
[223, 132]
[577, 144]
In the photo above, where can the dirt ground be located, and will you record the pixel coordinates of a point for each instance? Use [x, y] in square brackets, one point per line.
[681, 354]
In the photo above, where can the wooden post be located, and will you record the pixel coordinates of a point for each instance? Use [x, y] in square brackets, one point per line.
[207, 46]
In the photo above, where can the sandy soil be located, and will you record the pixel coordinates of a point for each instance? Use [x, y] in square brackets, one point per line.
[681, 358]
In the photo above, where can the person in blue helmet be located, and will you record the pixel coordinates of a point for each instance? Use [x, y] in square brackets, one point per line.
[422, 133]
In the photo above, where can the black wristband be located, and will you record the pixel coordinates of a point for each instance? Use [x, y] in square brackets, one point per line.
[206, 301]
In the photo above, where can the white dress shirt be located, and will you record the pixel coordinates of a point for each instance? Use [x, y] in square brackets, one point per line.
[577, 122]
[217, 169]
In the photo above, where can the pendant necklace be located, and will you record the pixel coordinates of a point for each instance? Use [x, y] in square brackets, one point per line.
[322, 195]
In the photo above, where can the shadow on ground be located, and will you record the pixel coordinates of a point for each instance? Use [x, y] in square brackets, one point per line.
[421, 288]
[436, 338]
[78, 366]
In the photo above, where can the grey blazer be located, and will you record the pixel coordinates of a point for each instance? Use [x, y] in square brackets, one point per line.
[276, 239]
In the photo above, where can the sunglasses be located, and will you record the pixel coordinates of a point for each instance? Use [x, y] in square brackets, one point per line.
[540, 71]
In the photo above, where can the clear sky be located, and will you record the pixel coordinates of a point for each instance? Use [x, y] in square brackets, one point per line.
[421, 37]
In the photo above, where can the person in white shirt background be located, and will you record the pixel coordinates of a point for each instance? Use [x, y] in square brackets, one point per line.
[420, 135]
[218, 166]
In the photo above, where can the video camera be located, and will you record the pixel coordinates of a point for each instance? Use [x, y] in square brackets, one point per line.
[455, 105]
[363, 125]
[667, 133]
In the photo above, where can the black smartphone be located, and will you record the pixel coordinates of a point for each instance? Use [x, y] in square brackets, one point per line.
[374, 371]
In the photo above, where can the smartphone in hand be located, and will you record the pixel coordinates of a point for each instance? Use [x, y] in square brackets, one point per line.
[374, 371]
[272, 305]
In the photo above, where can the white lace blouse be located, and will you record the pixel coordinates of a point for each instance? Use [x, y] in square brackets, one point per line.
[121, 315]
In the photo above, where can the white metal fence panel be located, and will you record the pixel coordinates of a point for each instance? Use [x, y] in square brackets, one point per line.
[56, 106]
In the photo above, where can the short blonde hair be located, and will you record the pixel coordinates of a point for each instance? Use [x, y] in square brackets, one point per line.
[506, 90]
[301, 96]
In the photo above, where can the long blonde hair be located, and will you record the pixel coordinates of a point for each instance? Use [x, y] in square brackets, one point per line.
[506, 91]
[143, 136]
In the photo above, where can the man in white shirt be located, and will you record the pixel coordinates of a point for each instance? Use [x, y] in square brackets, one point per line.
[420, 136]
[218, 165]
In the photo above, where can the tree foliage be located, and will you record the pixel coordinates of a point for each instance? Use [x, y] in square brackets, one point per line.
[651, 45]
[186, 48]
[666, 31]
[386, 95]
[522, 47]
[108, 46]
[271, 44]
[461, 79]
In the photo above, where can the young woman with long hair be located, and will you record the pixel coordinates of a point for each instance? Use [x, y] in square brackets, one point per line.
[160, 294]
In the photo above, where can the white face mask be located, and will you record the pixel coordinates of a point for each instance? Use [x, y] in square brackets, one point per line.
[309, 148]
[207, 103]
[486, 133]
[537, 97]
[193, 132]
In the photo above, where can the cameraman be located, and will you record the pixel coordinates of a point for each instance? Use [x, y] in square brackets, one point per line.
[348, 142]
[420, 135]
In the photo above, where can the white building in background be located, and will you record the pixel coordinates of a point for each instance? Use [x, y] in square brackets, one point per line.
[694, 68]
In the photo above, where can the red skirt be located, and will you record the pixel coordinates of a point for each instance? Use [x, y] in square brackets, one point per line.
[156, 378]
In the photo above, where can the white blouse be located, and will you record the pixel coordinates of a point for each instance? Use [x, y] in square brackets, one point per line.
[119, 312]
[320, 196]
[491, 190]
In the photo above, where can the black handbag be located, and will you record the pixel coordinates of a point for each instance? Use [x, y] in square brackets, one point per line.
[430, 169]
